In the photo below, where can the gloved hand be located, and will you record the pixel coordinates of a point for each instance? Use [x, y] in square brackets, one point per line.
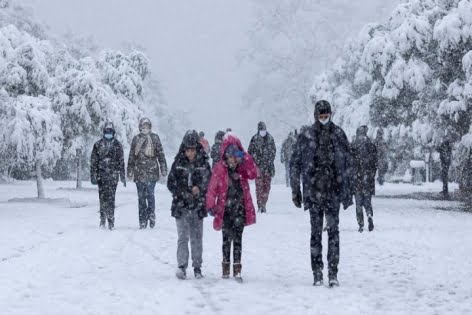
[297, 198]
[210, 212]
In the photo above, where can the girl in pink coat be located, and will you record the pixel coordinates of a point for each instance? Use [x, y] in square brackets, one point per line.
[229, 199]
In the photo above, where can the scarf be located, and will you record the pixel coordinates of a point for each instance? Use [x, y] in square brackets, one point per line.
[148, 147]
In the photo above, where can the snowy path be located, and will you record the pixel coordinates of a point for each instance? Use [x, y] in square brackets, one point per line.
[54, 260]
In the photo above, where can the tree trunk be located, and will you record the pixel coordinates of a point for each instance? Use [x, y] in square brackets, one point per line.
[39, 181]
[79, 169]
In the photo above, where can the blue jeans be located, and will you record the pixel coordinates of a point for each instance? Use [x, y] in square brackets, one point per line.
[146, 203]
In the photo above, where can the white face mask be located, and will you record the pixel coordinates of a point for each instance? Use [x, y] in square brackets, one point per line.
[324, 122]
[263, 133]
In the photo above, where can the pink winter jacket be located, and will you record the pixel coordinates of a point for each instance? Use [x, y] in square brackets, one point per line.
[218, 187]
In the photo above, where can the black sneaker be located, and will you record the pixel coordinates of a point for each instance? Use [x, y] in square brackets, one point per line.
[318, 279]
[371, 225]
[181, 273]
[197, 272]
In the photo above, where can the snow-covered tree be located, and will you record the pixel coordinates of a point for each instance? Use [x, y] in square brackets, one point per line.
[412, 78]
[30, 129]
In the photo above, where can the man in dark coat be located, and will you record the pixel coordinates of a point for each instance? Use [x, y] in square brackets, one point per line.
[262, 149]
[286, 155]
[216, 147]
[364, 164]
[445, 154]
[322, 160]
[146, 162]
[107, 166]
[188, 182]
[382, 148]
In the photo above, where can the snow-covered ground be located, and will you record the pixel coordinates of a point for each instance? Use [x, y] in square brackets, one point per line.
[55, 260]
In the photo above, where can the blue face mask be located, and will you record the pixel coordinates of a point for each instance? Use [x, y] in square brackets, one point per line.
[108, 136]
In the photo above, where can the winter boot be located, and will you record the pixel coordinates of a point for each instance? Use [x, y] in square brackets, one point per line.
[318, 278]
[333, 280]
[102, 223]
[142, 225]
[237, 272]
[152, 221]
[361, 229]
[226, 270]
[197, 273]
[111, 224]
[181, 273]
[371, 224]
[263, 209]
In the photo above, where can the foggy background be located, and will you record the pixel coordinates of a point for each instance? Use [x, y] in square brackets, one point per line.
[193, 48]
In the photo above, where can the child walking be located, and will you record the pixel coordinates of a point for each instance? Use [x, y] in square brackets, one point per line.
[229, 200]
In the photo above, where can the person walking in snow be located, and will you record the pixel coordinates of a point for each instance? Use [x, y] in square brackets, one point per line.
[216, 147]
[364, 165]
[382, 148]
[322, 158]
[204, 142]
[188, 181]
[229, 200]
[107, 167]
[262, 149]
[286, 154]
[146, 162]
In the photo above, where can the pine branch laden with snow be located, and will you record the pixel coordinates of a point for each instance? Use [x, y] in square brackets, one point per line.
[79, 91]
[411, 76]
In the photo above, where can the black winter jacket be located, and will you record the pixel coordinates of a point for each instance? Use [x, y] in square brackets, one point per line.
[263, 151]
[183, 176]
[107, 161]
[303, 166]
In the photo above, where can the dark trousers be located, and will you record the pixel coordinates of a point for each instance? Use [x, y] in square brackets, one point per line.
[106, 193]
[330, 209]
[263, 182]
[363, 201]
[233, 227]
[287, 174]
[146, 201]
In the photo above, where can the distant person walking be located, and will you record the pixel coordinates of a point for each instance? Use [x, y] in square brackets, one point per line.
[286, 154]
[216, 147]
[382, 148]
[204, 142]
[262, 149]
[364, 164]
[146, 163]
[107, 167]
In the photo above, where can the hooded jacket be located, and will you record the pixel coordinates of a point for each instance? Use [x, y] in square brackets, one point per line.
[142, 167]
[364, 163]
[107, 159]
[184, 175]
[218, 187]
[216, 148]
[263, 150]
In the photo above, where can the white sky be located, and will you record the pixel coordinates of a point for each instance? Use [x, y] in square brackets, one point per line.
[192, 46]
